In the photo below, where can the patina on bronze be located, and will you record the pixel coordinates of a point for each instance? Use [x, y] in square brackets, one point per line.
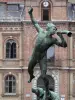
[44, 40]
[45, 94]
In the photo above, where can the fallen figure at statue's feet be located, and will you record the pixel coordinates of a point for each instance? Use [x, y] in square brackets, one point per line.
[41, 94]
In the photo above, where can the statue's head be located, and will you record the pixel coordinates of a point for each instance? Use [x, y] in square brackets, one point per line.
[51, 28]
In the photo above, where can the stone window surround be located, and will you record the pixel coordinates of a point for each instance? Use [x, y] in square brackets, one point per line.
[46, 8]
[3, 85]
[10, 91]
[17, 45]
[50, 3]
[11, 54]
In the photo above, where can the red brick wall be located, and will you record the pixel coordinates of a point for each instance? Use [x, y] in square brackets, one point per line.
[29, 36]
[64, 83]
[58, 10]
[27, 86]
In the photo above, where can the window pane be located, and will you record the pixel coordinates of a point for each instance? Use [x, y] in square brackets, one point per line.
[8, 48]
[14, 90]
[45, 14]
[14, 83]
[6, 90]
[6, 83]
[10, 78]
[10, 83]
[10, 89]
[8, 44]
[13, 50]
[14, 45]
[10, 86]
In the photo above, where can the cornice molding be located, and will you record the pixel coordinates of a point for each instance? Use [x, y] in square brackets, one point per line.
[45, 22]
[10, 23]
[48, 68]
[29, 21]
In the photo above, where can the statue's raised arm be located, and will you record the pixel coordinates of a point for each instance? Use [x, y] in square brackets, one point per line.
[36, 25]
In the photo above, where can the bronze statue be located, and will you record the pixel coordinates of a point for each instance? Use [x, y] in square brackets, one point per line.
[41, 94]
[44, 40]
[46, 94]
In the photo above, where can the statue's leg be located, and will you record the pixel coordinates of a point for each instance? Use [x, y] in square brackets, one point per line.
[31, 66]
[46, 83]
[43, 65]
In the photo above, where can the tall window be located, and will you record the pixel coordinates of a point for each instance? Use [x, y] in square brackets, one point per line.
[10, 84]
[10, 49]
[45, 11]
[71, 11]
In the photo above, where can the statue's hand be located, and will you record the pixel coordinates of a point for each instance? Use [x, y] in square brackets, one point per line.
[30, 10]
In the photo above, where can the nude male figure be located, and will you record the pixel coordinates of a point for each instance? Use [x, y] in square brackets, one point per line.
[44, 40]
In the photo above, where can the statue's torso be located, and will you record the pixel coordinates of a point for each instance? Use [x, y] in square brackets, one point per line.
[43, 42]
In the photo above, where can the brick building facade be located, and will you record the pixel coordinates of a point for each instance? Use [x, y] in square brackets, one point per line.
[17, 39]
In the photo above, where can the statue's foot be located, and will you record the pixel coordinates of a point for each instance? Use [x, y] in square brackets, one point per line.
[31, 77]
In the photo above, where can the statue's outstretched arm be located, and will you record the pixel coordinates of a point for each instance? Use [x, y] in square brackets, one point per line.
[68, 33]
[36, 25]
[61, 43]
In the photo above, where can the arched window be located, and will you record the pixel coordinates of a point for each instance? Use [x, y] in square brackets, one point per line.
[45, 11]
[10, 84]
[40, 83]
[10, 49]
